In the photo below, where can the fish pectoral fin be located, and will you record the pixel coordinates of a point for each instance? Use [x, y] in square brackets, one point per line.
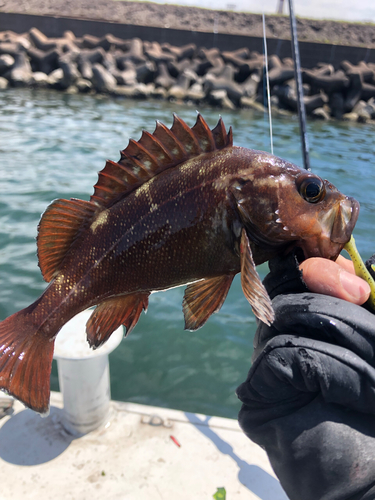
[252, 286]
[204, 298]
[112, 313]
[57, 230]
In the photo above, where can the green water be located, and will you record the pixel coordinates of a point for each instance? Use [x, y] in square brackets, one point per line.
[52, 145]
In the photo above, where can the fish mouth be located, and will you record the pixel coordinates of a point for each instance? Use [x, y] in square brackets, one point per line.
[345, 220]
[337, 228]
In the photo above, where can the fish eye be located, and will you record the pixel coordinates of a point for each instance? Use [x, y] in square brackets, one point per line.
[312, 189]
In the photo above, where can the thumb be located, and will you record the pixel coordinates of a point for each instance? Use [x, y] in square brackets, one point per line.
[329, 278]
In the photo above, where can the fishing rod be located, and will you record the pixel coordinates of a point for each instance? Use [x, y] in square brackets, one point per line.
[298, 77]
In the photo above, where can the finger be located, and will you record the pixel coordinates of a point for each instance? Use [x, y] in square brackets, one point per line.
[329, 278]
[347, 264]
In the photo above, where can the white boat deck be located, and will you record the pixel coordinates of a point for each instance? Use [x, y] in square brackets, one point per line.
[132, 457]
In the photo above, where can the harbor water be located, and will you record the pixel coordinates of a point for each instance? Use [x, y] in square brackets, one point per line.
[52, 145]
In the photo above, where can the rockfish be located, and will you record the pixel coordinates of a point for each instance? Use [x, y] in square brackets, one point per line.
[182, 206]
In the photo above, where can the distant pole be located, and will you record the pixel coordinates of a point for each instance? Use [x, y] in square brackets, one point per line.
[280, 7]
[300, 102]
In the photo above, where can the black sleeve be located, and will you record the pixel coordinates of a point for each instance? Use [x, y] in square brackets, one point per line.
[309, 398]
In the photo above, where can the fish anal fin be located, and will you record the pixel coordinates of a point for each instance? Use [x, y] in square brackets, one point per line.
[203, 298]
[57, 230]
[163, 149]
[252, 286]
[112, 313]
[25, 361]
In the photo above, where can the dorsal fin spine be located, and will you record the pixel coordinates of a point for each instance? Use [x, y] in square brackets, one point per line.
[202, 125]
[119, 165]
[114, 178]
[177, 122]
[230, 136]
[177, 142]
[222, 139]
[107, 189]
[135, 151]
[147, 153]
[155, 140]
[142, 171]
[126, 169]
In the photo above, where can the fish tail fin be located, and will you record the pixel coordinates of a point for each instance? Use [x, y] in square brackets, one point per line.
[25, 361]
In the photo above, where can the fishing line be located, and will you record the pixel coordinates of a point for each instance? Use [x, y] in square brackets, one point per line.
[268, 81]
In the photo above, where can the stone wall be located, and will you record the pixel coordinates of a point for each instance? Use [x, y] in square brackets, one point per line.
[141, 68]
[311, 53]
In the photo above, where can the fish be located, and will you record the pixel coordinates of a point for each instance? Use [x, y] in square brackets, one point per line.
[182, 206]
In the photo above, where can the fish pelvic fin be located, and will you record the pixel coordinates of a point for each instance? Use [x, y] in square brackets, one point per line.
[153, 153]
[203, 298]
[59, 226]
[25, 361]
[111, 314]
[252, 286]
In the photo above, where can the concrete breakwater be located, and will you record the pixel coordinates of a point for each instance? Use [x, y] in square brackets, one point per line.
[143, 69]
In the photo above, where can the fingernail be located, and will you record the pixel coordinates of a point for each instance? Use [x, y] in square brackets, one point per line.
[356, 287]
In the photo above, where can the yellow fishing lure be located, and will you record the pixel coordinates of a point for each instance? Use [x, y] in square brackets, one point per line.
[361, 270]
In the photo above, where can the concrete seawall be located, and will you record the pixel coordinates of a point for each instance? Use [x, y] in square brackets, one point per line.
[311, 53]
[218, 69]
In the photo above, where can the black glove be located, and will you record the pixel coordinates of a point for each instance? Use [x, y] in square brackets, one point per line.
[309, 398]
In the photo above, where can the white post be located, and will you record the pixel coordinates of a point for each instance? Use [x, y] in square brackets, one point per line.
[83, 376]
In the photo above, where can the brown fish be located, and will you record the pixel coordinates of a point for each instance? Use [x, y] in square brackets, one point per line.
[182, 205]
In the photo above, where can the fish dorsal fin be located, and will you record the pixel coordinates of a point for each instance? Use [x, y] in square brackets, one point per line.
[57, 230]
[153, 153]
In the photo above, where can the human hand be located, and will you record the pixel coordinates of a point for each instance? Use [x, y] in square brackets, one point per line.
[309, 398]
[336, 279]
